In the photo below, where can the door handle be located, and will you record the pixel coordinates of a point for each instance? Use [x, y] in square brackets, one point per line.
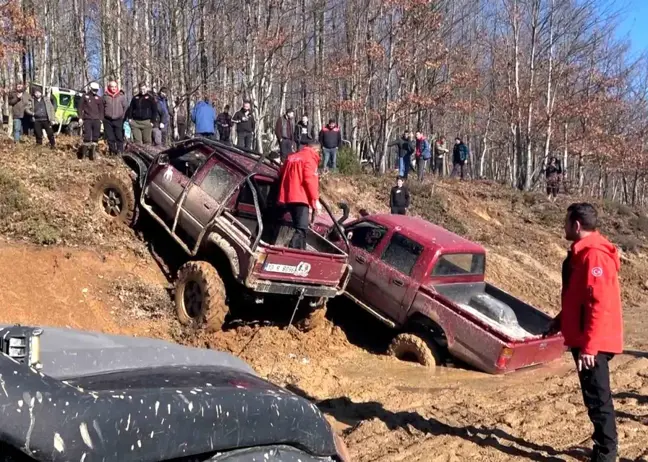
[361, 260]
[207, 206]
[397, 282]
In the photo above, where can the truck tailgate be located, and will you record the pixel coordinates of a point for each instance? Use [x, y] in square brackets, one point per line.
[302, 267]
[535, 351]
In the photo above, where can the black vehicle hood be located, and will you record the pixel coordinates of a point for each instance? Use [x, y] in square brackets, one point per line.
[152, 414]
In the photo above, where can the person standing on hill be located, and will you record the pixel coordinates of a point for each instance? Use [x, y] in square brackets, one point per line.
[20, 102]
[423, 154]
[165, 115]
[552, 175]
[91, 114]
[304, 132]
[245, 126]
[44, 116]
[204, 118]
[591, 320]
[224, 125]
[284, 131]
[460, 155]
[406, 147]
[299, 190]
[143, 115]
[399, 198]
[180, 119]
[115, 107]
[331, 140]
[440, 151]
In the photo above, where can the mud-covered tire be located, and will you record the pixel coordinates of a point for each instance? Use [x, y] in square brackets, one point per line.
[416, 348]
[114, 197]
[200, 297]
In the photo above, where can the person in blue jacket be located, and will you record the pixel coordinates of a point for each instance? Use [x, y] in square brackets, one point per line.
[204, 118]
[423, 154]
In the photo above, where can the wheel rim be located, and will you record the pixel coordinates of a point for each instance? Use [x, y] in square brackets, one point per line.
[193, 299]
[112, 202]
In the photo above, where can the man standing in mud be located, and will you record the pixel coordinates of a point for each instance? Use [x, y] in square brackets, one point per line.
[591, 320]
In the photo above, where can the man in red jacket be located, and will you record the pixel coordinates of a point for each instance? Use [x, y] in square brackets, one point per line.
[591, 320]
[299, 190]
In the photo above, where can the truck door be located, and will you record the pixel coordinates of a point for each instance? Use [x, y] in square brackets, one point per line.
[388, 282]
[210, 187]
[364, 237]
[167, 184]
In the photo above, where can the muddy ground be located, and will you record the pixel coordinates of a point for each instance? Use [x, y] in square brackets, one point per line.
[64, 265]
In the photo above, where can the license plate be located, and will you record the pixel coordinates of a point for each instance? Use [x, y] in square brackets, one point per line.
[276, 268]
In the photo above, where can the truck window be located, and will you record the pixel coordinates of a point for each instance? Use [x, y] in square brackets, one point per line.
[64, 100]
[365, 235]
[402, 253]
[459, 264]
[263, 191]
[189, 162]
[219, 182]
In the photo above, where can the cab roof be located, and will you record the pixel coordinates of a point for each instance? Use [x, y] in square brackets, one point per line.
[428, 234]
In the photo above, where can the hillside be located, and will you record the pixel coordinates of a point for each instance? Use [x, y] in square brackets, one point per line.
[64, 265]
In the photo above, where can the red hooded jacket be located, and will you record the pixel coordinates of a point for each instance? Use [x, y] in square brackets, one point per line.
[591, 317]
[299, 181]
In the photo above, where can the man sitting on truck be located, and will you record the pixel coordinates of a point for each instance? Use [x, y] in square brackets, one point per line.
[591, 320]
[299, 190]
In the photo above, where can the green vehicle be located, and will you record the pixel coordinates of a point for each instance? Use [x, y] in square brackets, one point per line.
[66, 102]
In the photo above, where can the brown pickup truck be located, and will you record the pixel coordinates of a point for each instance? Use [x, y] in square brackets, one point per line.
[216, 202]
[428, 284]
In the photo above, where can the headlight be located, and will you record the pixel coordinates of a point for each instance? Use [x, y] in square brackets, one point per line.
[22, 344]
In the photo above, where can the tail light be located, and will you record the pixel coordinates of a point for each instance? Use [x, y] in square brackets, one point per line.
[505, 356]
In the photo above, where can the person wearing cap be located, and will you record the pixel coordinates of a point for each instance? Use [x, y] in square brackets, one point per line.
[245, 126]
[115, 106]
[91, 113]
[331, 140]
[284, 130]
[44, 115]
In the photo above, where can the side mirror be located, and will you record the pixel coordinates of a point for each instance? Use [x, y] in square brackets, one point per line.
[163, 160]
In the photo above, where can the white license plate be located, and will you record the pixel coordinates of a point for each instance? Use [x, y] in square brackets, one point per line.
[276, 268]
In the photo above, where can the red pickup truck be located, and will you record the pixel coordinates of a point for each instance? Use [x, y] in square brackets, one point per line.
[428, 284]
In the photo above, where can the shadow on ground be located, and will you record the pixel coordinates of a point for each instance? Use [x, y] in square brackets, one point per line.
[346, 411]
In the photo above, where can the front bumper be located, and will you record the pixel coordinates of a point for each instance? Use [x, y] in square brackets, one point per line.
[269, 454]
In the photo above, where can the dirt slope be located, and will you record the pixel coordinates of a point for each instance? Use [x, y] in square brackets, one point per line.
[102, 277]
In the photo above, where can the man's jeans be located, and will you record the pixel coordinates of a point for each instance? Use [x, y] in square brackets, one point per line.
[17, 129]
[404, 165]
[330, 158]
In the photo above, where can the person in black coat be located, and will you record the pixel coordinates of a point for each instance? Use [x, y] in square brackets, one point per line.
[399, 199]
[553, 171]
[245, 125]
[224, 125]
[406, 147]
[304, 134]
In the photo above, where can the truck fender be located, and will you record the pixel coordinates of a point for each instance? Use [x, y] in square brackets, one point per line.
[138, 166]
[430, 318]
[228, 250]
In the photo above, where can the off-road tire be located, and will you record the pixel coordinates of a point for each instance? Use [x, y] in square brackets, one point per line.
[114, 197]
[406, 346]
[201, 279]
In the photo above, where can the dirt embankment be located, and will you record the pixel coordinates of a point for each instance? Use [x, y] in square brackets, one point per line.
[63, 265]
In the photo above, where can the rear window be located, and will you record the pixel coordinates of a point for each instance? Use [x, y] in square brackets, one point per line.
[460, 264]
[402, 253]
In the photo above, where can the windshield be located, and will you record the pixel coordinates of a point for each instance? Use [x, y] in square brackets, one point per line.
[459, 264]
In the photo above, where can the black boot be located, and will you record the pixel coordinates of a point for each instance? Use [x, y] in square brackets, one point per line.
[91, 151]
[81, 153]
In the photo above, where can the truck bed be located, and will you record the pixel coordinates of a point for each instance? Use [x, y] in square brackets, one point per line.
[531, 321]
